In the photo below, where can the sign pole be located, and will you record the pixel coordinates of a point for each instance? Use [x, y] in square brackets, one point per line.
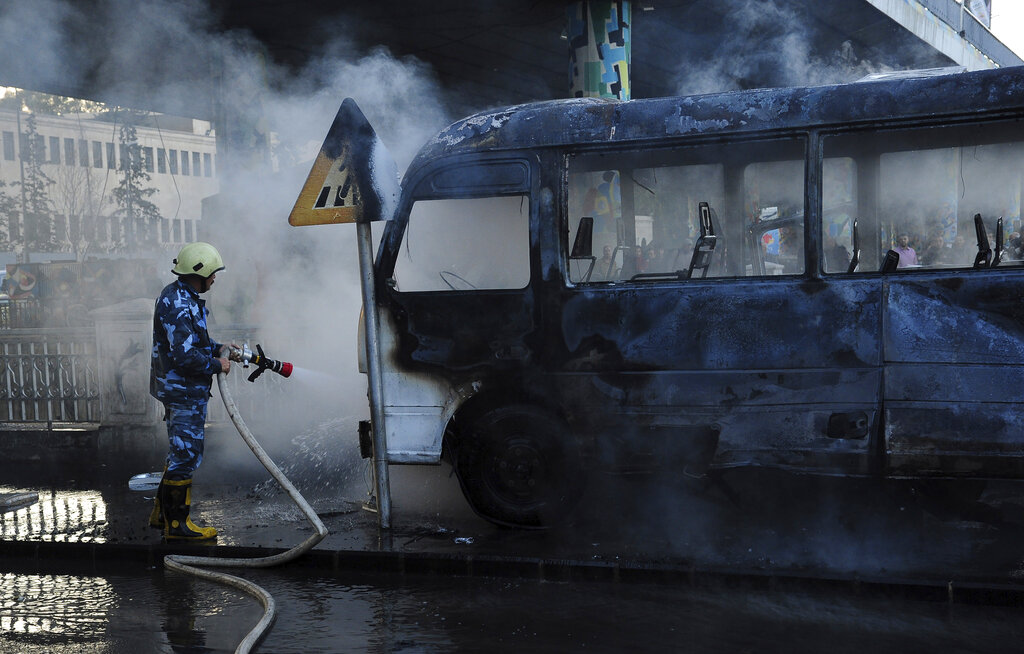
[375, 383]
[354, 179]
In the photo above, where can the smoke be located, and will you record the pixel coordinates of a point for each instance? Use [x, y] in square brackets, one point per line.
[300, 285]
[767, 43]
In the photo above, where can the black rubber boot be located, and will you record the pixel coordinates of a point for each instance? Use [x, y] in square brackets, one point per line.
[175, 497]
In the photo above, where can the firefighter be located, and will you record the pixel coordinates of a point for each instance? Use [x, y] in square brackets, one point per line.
[183, 363]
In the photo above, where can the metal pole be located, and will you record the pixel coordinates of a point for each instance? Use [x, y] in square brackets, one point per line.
[375, 384]
[24, 256]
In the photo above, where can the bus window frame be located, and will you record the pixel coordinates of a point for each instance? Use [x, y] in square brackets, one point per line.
[942, 132]
[646, 156]
[422, 190]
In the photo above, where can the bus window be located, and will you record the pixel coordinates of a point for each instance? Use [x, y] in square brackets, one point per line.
[773, 195]
[917, 191]
[465, 244]
[646, 211]
[839, 189]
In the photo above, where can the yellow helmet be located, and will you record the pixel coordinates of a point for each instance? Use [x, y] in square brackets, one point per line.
[198, 259]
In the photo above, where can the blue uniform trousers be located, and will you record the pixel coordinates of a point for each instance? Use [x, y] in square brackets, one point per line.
[186, 424]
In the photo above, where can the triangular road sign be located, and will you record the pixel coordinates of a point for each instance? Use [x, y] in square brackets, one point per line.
[353, 178]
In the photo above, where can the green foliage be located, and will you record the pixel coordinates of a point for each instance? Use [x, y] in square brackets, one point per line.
[8, 209]
[37, 228]
[137, 215]
[45, 103]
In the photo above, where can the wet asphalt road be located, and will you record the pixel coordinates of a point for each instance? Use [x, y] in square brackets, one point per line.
[742, 521]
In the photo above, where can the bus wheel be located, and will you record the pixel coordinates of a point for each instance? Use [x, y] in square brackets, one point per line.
[520, 466]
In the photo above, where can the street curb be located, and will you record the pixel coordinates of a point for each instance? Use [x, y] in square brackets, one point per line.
[102, 558]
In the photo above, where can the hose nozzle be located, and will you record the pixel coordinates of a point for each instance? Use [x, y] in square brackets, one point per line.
[261, 361]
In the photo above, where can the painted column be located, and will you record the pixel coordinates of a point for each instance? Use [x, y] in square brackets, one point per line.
[599, 48]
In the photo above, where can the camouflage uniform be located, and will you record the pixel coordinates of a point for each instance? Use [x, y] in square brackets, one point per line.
[183, 364]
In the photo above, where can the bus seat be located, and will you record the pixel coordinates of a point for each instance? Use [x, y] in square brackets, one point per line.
[891, 262]
[704, 247]
[984, 257]
[855, 257]
[582, 246]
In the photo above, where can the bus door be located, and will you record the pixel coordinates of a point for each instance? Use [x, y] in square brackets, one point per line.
[660, 356]
[952, 321]
[458, 300]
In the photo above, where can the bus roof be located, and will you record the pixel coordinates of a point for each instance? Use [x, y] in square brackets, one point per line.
[582, 121]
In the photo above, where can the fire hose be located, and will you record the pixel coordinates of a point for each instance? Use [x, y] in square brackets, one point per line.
[192, 564]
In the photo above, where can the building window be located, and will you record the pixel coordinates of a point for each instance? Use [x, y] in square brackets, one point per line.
[97, 154]
[28, 150]
[125, 155]
[188, 230]
[111, 162]
[161, 160]
[83, 153]
[176, 230]
[165, 230]
[184, 162]
[55, 150]
[172, 161]
[60, 228]
[147, 159]
[9, 146]
[196, 166]
[69, 152]
[207, 165]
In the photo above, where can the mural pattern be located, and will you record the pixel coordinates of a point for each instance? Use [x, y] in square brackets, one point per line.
[599, 48]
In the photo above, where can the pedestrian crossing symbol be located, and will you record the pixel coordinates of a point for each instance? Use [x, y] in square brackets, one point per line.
[353, 178]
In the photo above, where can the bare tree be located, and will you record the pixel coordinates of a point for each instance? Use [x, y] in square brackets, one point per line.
[78, 197]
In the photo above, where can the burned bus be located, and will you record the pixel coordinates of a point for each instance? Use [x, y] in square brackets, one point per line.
[825, 280]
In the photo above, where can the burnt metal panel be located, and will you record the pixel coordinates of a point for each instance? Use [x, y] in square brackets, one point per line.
[583, 121]
[767, 361]
[954, 352]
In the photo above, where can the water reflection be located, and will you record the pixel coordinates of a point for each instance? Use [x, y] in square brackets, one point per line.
[59, 516]
[54, 605]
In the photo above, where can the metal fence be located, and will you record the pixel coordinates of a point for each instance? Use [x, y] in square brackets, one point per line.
[15, 314]
[53, 377]
[49, 376]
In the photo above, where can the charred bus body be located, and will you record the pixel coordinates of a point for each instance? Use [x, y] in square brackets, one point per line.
[709, 282]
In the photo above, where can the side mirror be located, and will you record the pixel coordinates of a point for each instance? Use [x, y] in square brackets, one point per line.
[583, 244]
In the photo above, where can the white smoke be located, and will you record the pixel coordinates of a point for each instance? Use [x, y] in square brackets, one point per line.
[768, 43]
[299, 284]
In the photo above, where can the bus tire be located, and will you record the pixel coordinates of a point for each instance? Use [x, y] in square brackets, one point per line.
[520, 466]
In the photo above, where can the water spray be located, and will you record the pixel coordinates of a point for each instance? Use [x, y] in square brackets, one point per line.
[260, 360]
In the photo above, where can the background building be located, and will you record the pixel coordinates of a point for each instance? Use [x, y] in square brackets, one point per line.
[83, 157]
